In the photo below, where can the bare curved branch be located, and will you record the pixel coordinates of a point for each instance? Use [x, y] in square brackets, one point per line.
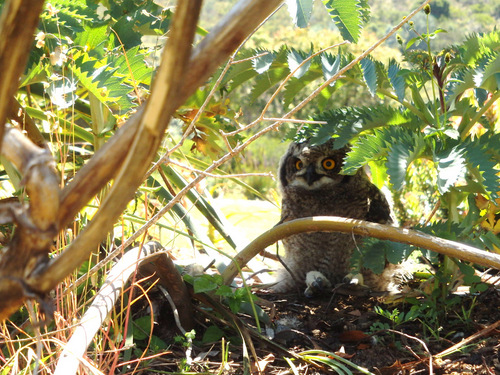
[363, 228]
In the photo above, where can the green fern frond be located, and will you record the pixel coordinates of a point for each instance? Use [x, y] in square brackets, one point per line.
[483, 157]
[369, 75]
[451, 167]
[347, 16]
[397, 81]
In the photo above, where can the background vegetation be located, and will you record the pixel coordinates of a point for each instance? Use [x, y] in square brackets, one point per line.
[421, 111]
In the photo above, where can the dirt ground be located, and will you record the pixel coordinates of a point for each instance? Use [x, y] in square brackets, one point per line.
[345, 325]
[349, 326]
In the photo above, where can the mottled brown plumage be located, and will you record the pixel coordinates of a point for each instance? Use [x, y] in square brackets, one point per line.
[311, 185]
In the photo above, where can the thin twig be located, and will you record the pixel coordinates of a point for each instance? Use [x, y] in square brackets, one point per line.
[431, 371]
[280, 87]
[170, 161]
[468, 340]
[200, 111]
[189, 349]
[295, 121]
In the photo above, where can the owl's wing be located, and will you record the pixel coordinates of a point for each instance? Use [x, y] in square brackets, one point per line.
[379, 210]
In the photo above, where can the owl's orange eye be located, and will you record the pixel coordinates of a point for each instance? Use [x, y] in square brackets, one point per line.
[299, 165]
[328, 164]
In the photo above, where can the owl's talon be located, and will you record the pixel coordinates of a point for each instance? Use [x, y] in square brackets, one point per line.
[316, 283]
[354, 279]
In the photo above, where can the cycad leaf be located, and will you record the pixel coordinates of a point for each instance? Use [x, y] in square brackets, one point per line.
[482, 157]
[450, 167]
[295, 58]
[300, 11]
[397, 82]
[330, 66]
[491, 76]
[367, 148]
[347, 16]
[398, 160]
[369, 75]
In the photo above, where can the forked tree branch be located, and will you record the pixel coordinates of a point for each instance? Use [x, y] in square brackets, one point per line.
[154, 121]
[363, 228]
[206, 58]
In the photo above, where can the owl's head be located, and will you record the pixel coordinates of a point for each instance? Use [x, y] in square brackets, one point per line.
[312, 167]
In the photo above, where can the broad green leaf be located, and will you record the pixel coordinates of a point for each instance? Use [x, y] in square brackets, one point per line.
[294, 86]
[367, 148]
[206, 283]
[369, 75]
[490, 78]
[132, 66]
[300, 11]
[212, 334]
[142, 327]
[92, 37]
[347, 16]
[398, 159]
[35, 74]
[268, 80]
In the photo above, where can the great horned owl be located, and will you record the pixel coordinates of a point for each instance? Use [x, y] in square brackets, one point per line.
[312, 185]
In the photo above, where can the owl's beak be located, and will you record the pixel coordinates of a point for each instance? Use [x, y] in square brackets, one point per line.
[311, 176]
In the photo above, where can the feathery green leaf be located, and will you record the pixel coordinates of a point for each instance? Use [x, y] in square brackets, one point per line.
[347, 16]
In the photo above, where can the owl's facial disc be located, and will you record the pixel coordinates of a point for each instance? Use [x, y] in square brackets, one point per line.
[308, 177]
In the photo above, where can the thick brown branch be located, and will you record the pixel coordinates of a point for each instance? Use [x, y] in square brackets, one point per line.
[18, 23]
[39, 176]
[36, 227]
[364, 228]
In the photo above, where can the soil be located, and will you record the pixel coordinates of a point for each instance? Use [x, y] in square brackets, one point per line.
[348, 326]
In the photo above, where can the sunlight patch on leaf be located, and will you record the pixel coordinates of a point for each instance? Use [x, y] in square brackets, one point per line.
[450, 167]
[263, 63]
[295, 58]
[330, 66]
